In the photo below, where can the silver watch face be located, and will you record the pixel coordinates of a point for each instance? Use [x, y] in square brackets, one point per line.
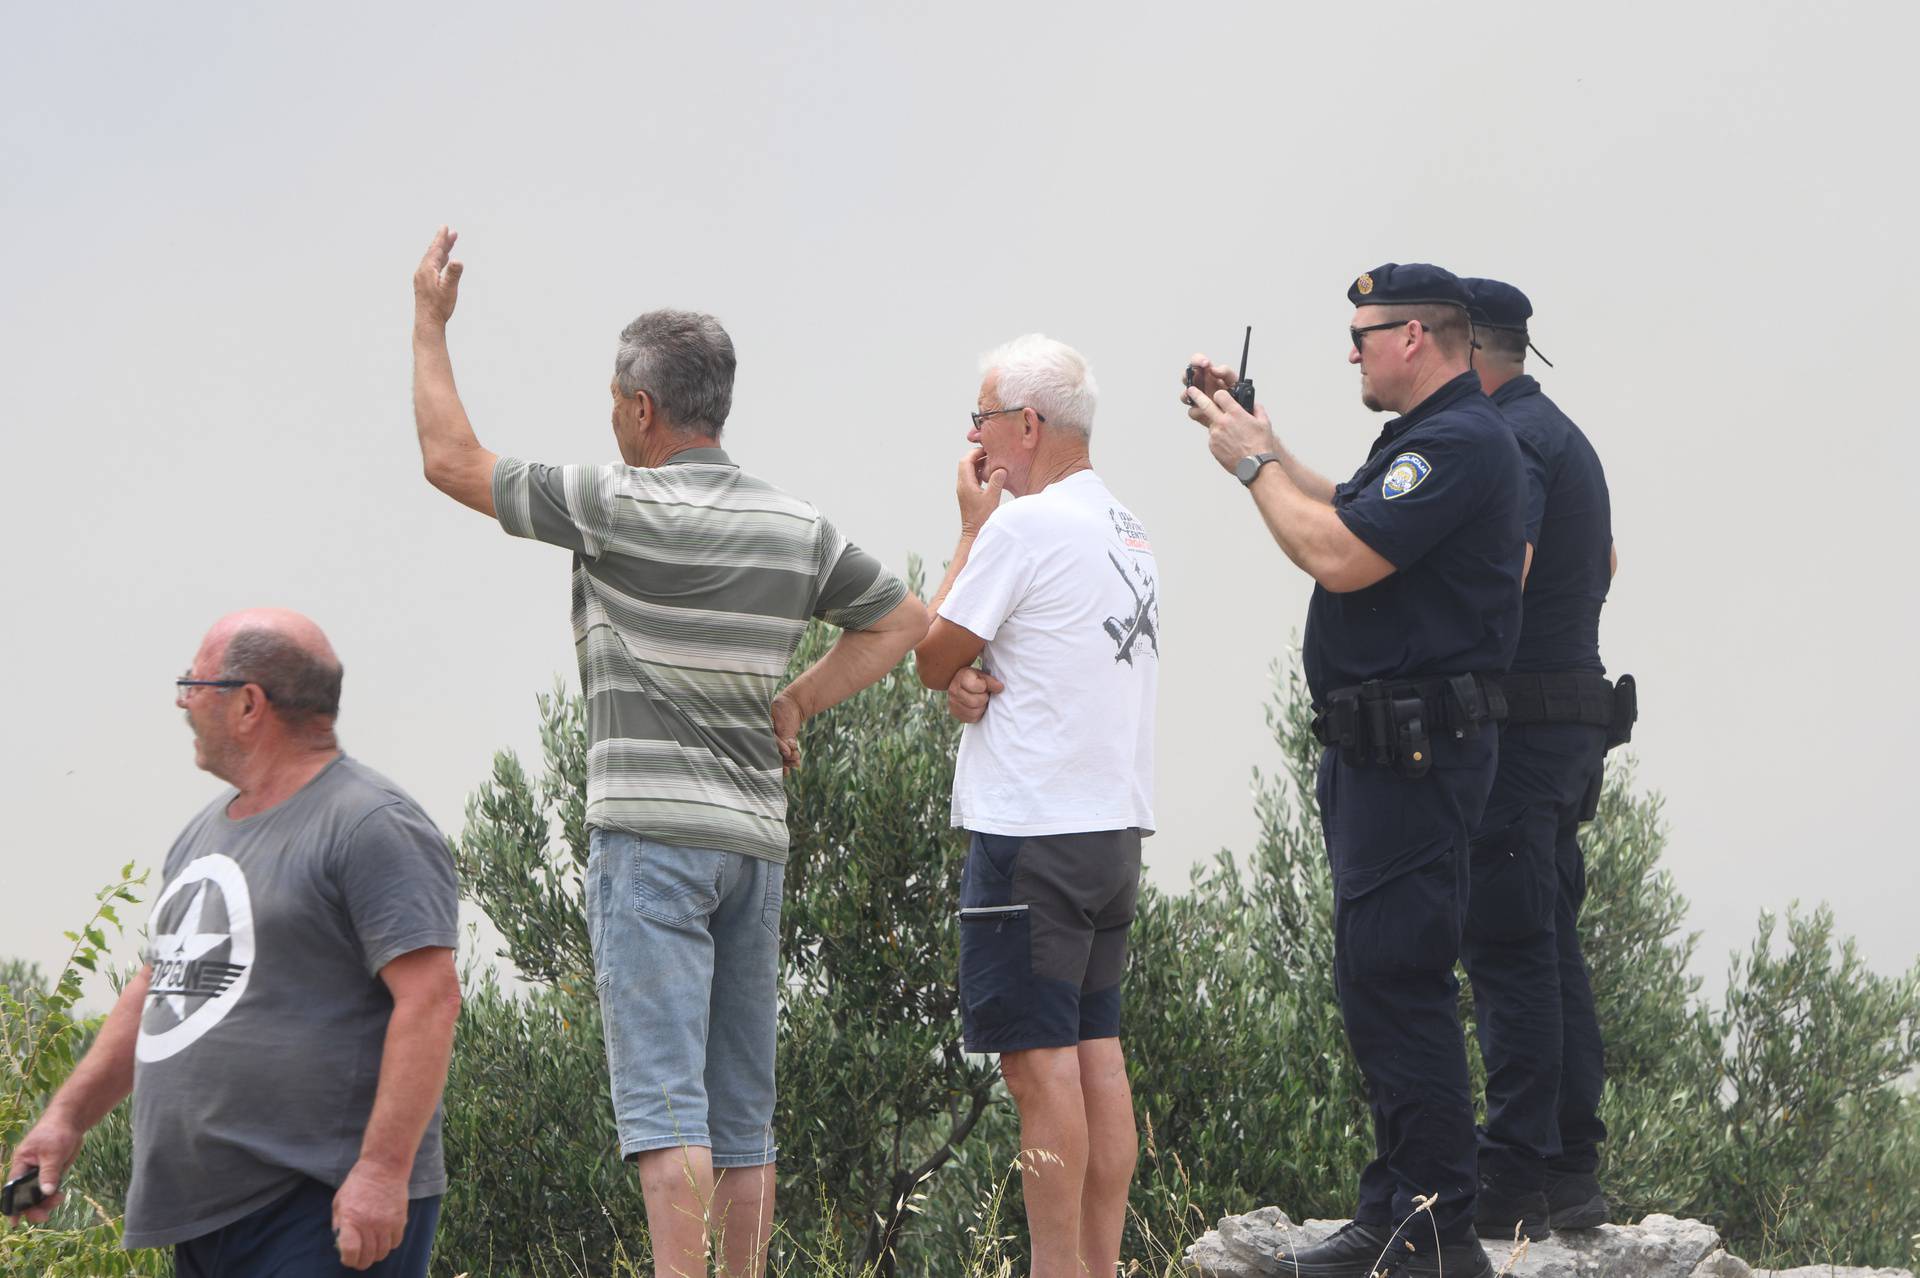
[1246, 468]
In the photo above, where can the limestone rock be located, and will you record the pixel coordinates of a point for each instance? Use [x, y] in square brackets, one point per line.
[1658, 1247]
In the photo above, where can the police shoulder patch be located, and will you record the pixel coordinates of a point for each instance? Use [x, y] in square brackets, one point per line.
[1404, 475]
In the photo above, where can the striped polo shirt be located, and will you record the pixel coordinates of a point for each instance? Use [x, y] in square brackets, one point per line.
[692, 586]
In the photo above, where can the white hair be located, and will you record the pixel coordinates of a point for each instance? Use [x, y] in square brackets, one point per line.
[1047, 376]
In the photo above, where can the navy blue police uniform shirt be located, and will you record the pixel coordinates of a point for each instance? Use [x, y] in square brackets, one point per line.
[1442, 498]
[1570, 523]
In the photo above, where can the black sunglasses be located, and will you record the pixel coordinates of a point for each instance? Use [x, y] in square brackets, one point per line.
[995, 412]
[1357, 333]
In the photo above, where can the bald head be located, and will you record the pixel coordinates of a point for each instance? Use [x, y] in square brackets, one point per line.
[287, 655]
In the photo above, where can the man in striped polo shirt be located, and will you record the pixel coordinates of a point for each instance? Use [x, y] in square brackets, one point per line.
[693, 582]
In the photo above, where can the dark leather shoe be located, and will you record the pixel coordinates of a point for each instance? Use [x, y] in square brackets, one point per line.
[1574, 1201]
[1497, 1213]
[1359, 1250]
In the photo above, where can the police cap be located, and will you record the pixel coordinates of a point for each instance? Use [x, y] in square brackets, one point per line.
[1495, 304]
[1409, 284]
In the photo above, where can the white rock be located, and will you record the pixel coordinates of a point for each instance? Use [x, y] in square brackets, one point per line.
[1658, 1247]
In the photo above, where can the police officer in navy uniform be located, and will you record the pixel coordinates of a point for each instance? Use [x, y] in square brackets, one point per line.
[1533, 1003]
[1418, 561]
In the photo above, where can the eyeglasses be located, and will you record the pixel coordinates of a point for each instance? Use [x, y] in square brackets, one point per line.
[995, 412]
[1357, 333]
[183, 688]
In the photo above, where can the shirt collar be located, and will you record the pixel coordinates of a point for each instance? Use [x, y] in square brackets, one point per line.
[699, 457]
[1517, 388]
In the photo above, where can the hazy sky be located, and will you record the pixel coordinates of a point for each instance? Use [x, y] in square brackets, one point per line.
[209, 220]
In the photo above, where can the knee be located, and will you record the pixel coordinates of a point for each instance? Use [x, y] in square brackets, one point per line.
[1040, 1074]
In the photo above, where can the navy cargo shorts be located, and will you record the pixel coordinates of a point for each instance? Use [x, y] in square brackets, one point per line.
[1043, 937]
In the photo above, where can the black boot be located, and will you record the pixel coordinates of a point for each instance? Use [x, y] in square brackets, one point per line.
[1574, 1200]
[1359, 1251]
[1497, 1213]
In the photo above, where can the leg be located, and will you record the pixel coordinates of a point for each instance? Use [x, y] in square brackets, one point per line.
[1509, 952]
[1045, 1083]
[678, 1187]
[1113, 1146]
[1583, 1069]
[743, 1216]
[740, 1060]
[1394, 949]
[654, 968]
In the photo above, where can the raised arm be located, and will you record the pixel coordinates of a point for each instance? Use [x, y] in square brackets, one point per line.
[454, 461]
[1218, 377]
[101, 1080]
[1306, 528]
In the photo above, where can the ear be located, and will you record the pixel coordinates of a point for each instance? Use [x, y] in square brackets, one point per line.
[253, 703]
[644, 413]
[1029, 429]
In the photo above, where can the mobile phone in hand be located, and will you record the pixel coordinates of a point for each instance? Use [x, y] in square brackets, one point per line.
[21, 1192]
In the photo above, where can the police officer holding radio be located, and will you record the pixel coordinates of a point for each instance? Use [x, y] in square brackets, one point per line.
[1533, 1003]
[1418, 561]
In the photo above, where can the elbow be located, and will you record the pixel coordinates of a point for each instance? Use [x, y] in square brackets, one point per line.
[928, 677]
[436, 472]
[1345, 578]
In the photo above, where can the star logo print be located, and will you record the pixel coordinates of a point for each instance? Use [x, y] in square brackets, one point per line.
[173, 953]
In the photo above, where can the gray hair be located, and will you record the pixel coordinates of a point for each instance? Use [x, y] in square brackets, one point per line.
[302, 686]
[1047, 376]
[685, 361]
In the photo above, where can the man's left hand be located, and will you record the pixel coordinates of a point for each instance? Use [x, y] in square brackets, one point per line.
[787, 719]
[1232, 432]
[369, 1215]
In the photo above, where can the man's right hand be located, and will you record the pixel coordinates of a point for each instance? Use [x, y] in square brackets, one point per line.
[51, 1146]
[436, 281]
[969, 692]
[1209, 377]
[979, 494]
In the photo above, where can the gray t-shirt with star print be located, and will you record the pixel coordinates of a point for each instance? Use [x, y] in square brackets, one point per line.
[260, 1043]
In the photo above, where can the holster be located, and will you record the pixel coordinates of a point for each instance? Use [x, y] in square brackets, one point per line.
[1626, 710]
[1392, 723]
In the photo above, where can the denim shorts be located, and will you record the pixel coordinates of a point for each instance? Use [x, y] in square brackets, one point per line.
[1043, 937]
[686, 958]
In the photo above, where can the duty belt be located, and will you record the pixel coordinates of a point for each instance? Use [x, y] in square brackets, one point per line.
[1392, 722]
[1567, 697]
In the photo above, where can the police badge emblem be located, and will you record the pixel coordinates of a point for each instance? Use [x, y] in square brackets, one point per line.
[1404, 475]
[1364, 284]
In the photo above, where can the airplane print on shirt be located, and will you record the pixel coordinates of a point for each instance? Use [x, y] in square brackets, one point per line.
[1144, 621]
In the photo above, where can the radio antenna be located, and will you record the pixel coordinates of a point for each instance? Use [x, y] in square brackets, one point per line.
[1245, 346]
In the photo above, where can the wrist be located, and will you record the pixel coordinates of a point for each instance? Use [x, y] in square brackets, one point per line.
[384, 1166]
[794, 695]
[428, 326]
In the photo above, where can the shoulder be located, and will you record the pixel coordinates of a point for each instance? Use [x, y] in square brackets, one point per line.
[363, 800]
[1473, 424]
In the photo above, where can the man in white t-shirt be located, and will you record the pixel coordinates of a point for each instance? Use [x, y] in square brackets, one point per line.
[1058, 592]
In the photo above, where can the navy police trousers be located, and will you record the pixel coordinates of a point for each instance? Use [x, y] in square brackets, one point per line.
[1399, 853]
[1533, 1002]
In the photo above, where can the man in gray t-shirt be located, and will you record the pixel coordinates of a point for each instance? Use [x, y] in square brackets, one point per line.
[288, 1038]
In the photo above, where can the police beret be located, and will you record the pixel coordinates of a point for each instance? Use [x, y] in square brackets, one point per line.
[1408, 284]
[1494, 304]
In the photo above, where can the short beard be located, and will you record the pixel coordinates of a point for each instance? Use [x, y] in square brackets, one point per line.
[1372, 402]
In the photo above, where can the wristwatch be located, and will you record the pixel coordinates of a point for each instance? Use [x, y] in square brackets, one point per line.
[1248, 468]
